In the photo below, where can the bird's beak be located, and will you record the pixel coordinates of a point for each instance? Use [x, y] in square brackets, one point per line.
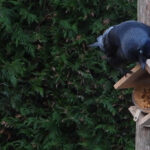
[142, 62]
[142, 59]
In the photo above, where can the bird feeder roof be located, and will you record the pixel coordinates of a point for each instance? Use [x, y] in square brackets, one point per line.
[137, 78]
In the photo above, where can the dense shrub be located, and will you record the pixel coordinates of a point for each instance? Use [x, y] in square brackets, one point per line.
[55, 92]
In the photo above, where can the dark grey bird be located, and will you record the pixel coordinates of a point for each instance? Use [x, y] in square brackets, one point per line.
[128, 41]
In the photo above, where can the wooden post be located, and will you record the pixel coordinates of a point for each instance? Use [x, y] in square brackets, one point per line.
[142, 132]
[144, 11]
[142, 128]
[142, 135]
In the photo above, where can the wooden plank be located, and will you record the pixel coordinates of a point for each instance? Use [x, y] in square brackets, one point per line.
[132, 110]
[127, 81]
[135, 112]
[130, 80]
[145, 121]
[142, 136]
[142, 81]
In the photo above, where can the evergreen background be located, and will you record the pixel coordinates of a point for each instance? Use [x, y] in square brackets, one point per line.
[55, 92]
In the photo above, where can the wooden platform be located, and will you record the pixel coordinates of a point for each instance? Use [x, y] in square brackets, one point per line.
[137, 78]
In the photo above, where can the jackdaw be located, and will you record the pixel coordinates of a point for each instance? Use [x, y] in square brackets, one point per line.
[128, 41]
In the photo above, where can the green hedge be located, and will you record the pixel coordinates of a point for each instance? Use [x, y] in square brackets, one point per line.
[55, 92]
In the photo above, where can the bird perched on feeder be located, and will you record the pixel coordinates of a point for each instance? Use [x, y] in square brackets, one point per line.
[128, 41]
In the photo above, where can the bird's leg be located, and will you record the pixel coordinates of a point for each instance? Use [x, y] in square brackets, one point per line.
[124, 71]
[115, 63]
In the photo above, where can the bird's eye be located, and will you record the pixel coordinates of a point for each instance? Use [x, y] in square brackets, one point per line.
[141, 51]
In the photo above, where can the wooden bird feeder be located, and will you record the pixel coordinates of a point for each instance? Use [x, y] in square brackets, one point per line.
[139, 80]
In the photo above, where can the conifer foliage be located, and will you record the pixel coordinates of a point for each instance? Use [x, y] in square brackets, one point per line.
[55, 92]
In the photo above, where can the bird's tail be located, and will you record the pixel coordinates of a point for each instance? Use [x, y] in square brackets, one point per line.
[99, 43]
[94, 44]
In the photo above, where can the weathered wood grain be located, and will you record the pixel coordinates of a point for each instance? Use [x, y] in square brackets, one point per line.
[143, 133]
